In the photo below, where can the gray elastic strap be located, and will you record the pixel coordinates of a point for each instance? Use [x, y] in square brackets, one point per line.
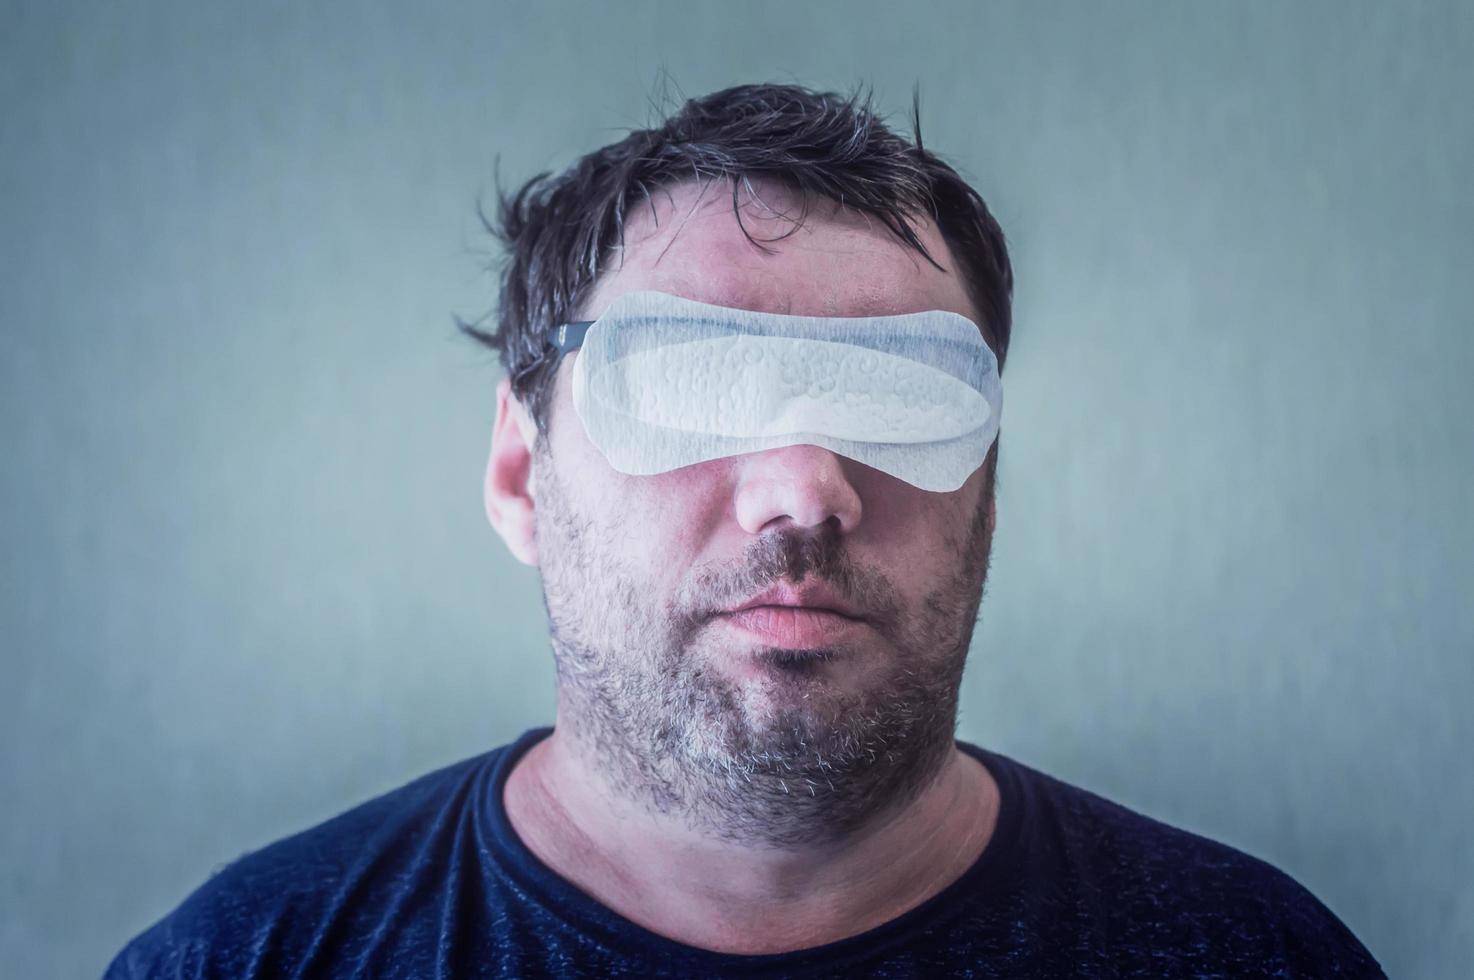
[569, 336]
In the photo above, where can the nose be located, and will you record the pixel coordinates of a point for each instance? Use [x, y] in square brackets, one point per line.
[804, 485]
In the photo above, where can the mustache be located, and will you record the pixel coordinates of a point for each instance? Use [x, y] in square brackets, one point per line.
[789, 555]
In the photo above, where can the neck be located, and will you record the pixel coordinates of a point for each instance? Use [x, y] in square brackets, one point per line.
[674, 872]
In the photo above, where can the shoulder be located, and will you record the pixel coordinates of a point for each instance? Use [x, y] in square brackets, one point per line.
[1145, 884]
[277, 905]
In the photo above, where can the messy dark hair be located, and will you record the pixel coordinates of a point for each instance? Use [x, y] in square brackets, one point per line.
[561, 232]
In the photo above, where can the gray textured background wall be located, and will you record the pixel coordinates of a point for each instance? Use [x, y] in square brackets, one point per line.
[245, 579]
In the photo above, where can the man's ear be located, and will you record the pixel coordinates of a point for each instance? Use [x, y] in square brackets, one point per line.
[507, 490]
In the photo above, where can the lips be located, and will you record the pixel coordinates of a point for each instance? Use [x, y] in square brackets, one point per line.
[815, 597]
[798, 618]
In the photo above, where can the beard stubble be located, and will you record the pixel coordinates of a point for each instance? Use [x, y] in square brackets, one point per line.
[786, 759]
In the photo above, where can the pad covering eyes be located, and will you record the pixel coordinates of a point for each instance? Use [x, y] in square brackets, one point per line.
[663, 382]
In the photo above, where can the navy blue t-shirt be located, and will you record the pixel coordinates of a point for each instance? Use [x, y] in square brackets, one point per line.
[431, 881]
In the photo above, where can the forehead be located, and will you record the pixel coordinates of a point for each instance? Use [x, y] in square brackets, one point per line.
[687, 241]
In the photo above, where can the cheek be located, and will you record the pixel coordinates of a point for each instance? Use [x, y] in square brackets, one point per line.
[656, 526]
[684, 509]
[918, 533]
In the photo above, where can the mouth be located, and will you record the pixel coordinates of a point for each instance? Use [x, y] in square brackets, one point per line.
[797, 617]
[814, 597]
[794, 627]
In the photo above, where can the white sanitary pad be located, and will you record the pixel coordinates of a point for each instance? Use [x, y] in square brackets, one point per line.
[663, 382]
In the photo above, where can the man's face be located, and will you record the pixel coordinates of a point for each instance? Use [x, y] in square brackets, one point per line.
[773, 724]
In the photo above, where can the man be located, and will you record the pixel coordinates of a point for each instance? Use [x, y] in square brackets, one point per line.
[753, 769]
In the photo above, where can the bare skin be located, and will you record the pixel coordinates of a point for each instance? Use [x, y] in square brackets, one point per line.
[672, 862]
[732, 899]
